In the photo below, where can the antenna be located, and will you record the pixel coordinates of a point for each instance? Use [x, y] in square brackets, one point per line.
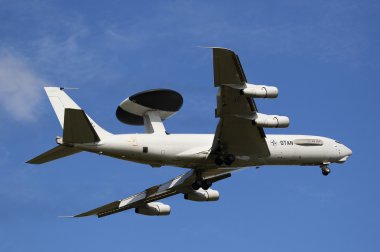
[68, 88]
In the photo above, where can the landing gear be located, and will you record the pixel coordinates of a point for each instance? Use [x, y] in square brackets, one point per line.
[204, 184]
[226, 159]
[197, 184]
[325, 170]
[229, 159]
[219, 160]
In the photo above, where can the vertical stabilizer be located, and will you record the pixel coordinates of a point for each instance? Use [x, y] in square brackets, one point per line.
[61, 101]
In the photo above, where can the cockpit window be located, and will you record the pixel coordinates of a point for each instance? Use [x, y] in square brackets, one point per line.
[337, 142]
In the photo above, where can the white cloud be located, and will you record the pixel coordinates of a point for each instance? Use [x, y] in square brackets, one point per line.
[20, 87]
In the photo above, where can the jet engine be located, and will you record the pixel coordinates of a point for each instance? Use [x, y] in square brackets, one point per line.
[271, 121]
[260, 91]
[202, 195]
[153, 209]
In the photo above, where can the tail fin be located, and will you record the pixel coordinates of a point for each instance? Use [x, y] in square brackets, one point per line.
[77, 127]
[58, 152]
[62, 103]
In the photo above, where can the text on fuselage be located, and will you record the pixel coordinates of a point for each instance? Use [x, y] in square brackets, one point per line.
[285, 142]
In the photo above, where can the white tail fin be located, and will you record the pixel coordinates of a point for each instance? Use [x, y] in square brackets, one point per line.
[61, 101]
[77, 127]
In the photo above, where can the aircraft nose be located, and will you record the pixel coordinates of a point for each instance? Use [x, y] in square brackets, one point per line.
[346, 151]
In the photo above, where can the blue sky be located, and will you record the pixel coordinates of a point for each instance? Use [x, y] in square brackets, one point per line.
[322, 55]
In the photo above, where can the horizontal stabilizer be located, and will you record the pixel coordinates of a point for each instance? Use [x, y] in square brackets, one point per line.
[53, 154]
[77, 128]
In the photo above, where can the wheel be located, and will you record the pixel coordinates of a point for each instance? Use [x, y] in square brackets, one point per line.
[229, 159]
[206, 184]
[219, 160]
[325, 170]
[196, 185]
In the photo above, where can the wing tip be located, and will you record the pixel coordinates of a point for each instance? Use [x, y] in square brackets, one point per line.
[31, 162]
[215, 47]
[66, 216]
[75, 216]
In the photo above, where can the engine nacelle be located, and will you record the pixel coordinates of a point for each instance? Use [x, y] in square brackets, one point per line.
[260, 91]
[271, 121]
[153, 209]
[202, 195]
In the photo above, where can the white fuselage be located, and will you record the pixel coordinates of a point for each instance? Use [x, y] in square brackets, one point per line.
[192, 150]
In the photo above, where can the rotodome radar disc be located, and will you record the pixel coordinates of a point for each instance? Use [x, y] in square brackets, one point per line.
[131, 111]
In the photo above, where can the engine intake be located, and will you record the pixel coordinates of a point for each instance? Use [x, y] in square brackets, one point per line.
[153, 209]
[271, 121]
[202, 195]
[260, 91]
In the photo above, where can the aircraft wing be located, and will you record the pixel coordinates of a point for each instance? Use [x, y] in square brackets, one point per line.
[180, 184]
[236, 133]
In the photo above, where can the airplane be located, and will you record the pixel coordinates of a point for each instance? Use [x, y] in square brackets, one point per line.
[239, 140]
